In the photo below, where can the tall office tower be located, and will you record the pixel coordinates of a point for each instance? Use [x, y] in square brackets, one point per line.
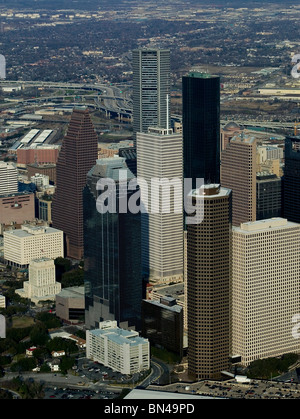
[268, 196]
[208, 283]
[8, 178]
[159, 161]
[201, 127]
[238, 173]
[265, 289]
[291, 179]
[151, 85]
[112, 249]
[78, 155]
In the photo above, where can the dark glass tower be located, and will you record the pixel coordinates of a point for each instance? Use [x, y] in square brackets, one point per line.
[112, 248]
[291, 179]
[201, 127]
[77, 156]
[268, 196]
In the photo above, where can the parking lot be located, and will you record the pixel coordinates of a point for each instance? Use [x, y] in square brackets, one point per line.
[67, 393]
[98, 373]
[256, 389]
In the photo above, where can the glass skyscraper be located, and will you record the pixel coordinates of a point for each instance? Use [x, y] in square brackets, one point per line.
[201, 127]
[112, 247]
[291, 179]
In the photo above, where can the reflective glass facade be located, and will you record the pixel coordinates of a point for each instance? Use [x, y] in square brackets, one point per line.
[291, 180]
[113, 281]
[201, 127]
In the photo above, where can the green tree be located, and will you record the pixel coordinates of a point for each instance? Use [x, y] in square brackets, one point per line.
[73, 278]
[25, 364]
[66, 364]
[45, 368]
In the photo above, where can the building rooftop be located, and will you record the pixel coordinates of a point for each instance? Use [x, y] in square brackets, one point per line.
[72, 292]
[201, 74]
[264, 225]
[176, 308]
[28, 231]
[210, 190]
[120, 336]
[242, 138]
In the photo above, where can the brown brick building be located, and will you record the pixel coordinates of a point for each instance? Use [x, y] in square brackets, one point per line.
[208, 284]
[17, 208]
[238, 173]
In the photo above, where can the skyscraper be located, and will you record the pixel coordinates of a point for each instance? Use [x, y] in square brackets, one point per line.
[201, 127]
[8, 178]
[268, 196]
[265, 288]
[78, 155]
[291, 179]
[112, 248]
[208, 283]
[238, 173]
[151, 85]
[159, 164]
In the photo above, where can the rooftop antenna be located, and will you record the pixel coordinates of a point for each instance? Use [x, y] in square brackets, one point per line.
[168, 101]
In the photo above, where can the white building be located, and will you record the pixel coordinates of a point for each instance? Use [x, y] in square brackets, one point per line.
[8, 178]
[160, 157]
[265, 289]
[119, 349]
[23, 245]
[40, 180]
[41, 285]
[267, 152]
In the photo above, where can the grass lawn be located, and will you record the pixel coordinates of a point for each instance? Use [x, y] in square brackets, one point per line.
[22, 322]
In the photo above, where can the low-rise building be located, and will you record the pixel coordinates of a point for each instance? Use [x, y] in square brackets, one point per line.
[70, 304]
[122, 350]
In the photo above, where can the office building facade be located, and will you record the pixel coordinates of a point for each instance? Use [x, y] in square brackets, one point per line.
[8, 178]
[151, 85]
[208, 283]
[265, 289]
[238, 173]
[291, 179]
[159, 157]
[201, 127]
[268, 196]
[112, 248]
[17, 208]
[162, 324]
[23, 245]
[78, 155]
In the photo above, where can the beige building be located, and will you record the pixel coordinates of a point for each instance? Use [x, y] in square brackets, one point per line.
[41, 285]
[2, 301]
[265, 288]
[238, 173]
[208, 283]
[23, 245]
[70, 304]
[159, 157]
[122, 350]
